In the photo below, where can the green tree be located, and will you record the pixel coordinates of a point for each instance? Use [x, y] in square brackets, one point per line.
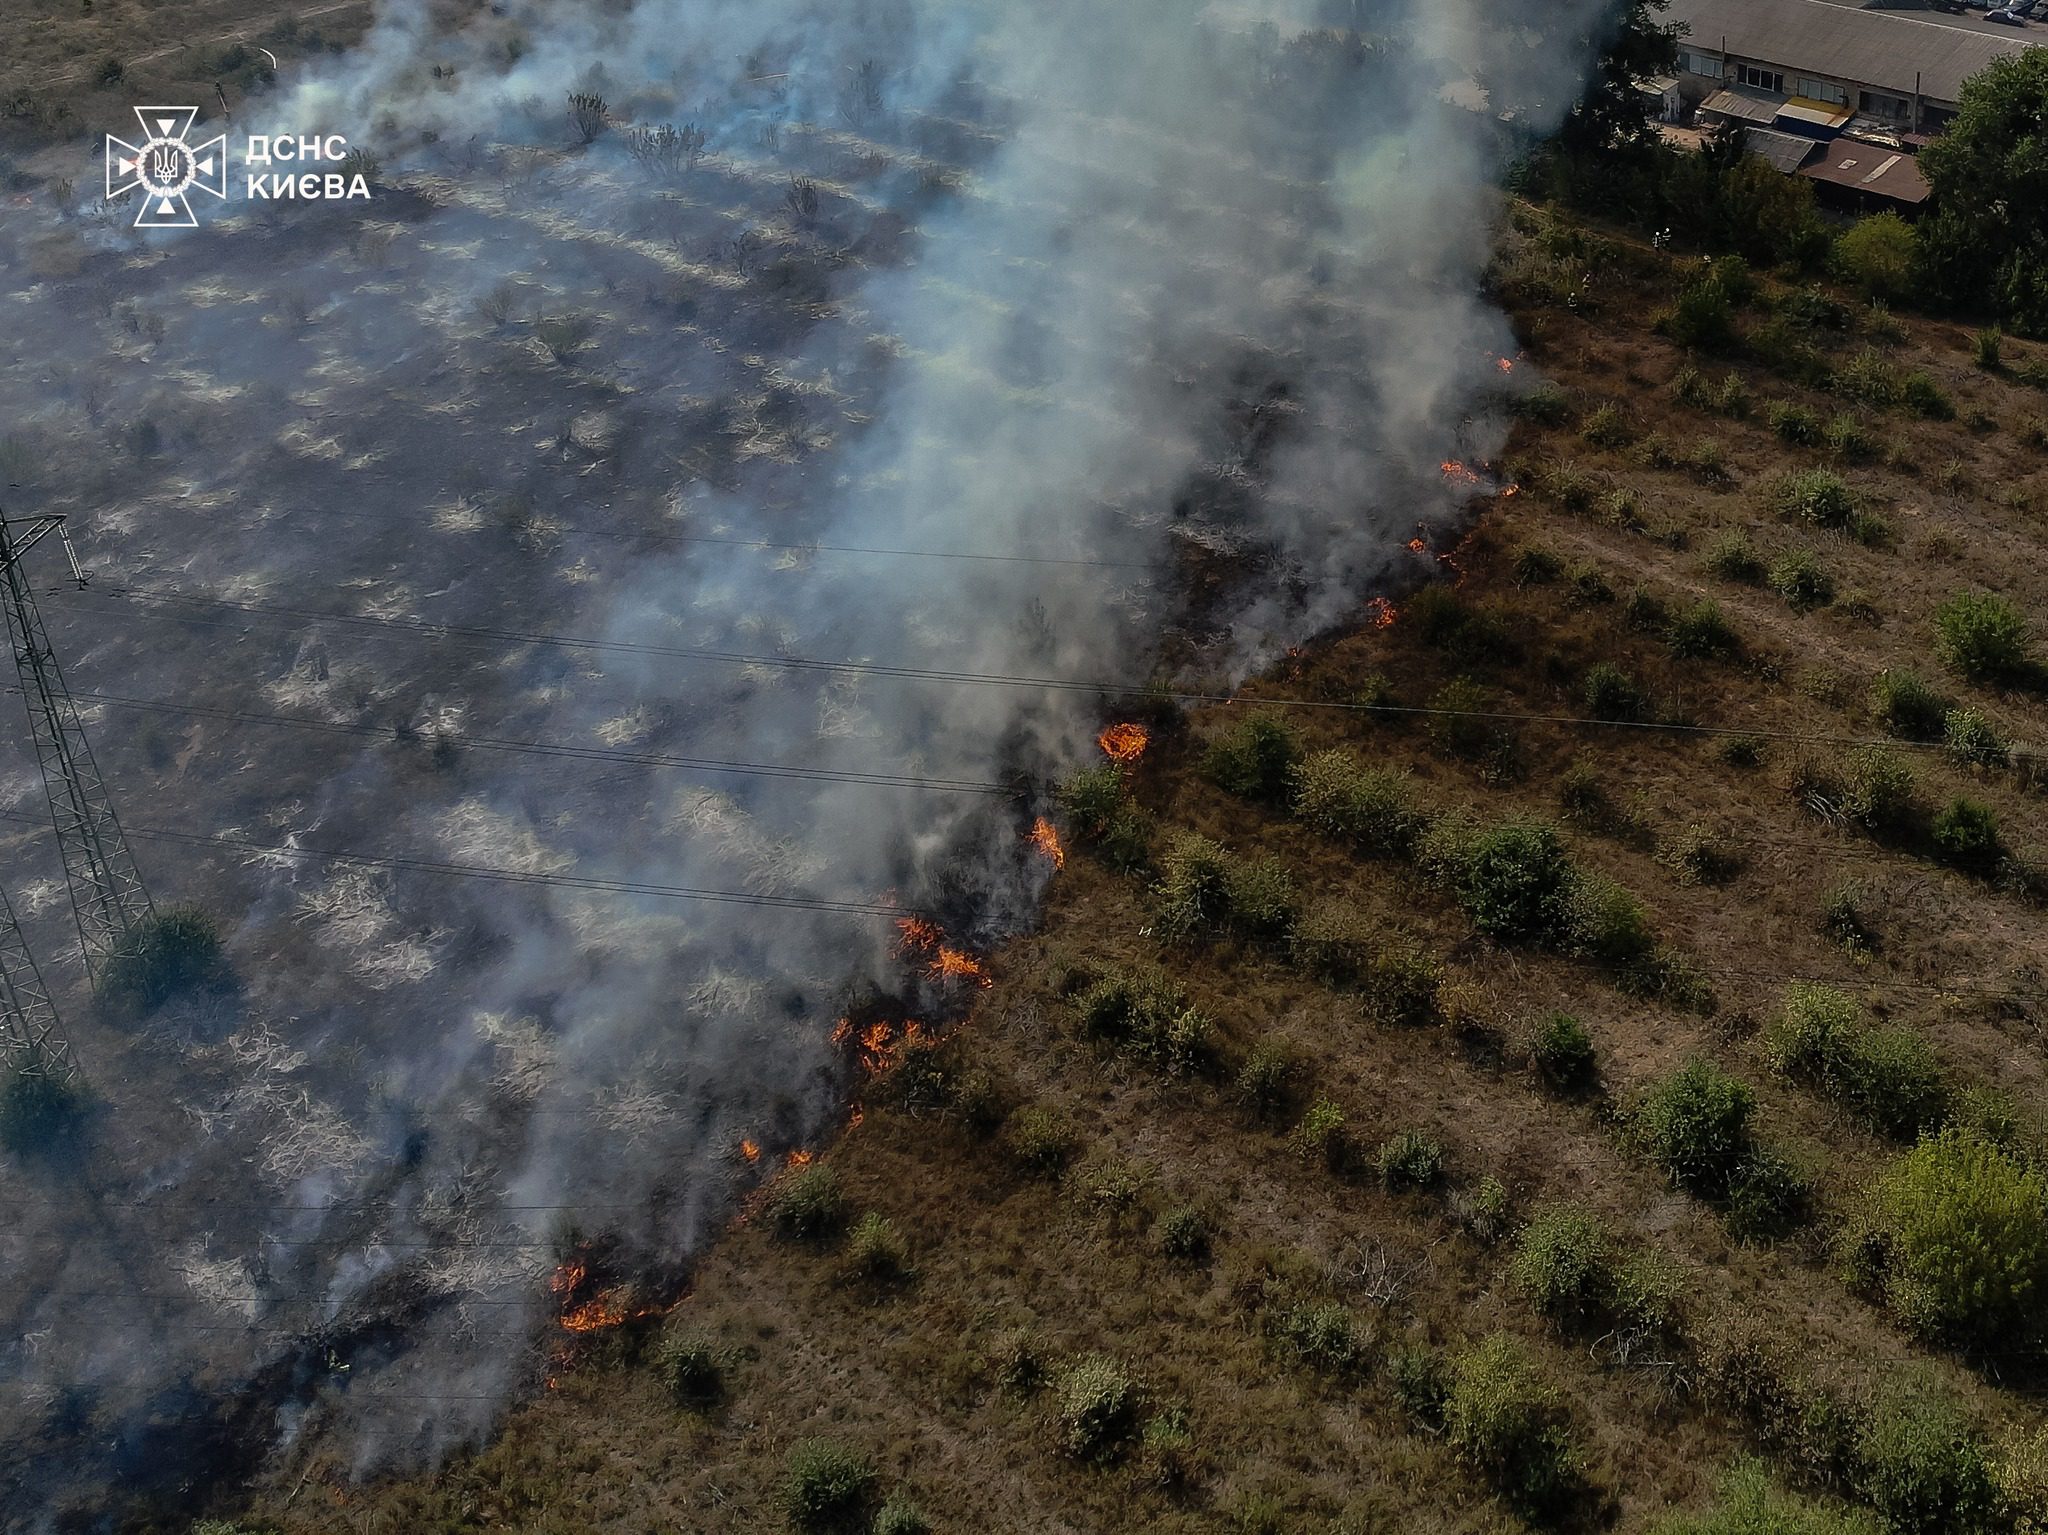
[1635, 45]
[1986, 234]
[1880, 254]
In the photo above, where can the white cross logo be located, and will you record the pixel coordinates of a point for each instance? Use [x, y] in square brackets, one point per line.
[166, 166]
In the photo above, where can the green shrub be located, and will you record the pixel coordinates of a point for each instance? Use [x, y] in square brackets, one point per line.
[1410, 1160]
[1607, 427]
[1546, 405]
[1701, 633]
[1889, 1077]
[1847, 439]
[1513, 882]
[1695, 1124]
[1321, 1136]
[1564, 1264]
[1341, 797]
[1255, 758]
[39, 1109]
[1906, 707]
[1140, 1013]
[1973, 740]
[875, 1249]
[1703, 318]
[1323, 1337]
[1802, 581]
[1955, 1239]
[1880, 794]
[1966, 834]
[1097, 1406]
[1611, 693]
[1331, 943]
[1042, 1141]
[1818, 497]
[1265, 1079]
[1504, 1421]
[1748, 1502]
[827, 1489]
[1988, 346]
[1925, 1471]
[1093, 798]
[688, 1367]
[1421, 1380]
[1794, 423]
[175, 951]
[1402, 985]
[1604, 922]
[1880, 254]
[1458, 726]
[808, 1206]
[1698, 856]
[1734, 558]
[1186, 1234]
[1563, 1053]
[1924, 397]
[900, 1516]
[1536, 567]
[1983, 638]
[1204, 892]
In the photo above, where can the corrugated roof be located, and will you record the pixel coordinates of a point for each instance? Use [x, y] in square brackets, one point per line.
[1884, 49]
[1868, 168]
[1784, 152]
[1746, 105]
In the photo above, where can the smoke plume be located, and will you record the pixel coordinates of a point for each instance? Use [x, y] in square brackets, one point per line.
[756, 515]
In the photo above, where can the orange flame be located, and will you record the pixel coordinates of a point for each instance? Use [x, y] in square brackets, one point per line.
[1381, 613]
[1505, 364]
[880, 1045]
[958, 964]
[750, 1151]
[801, 1158]
[1417, 546]
[608, 1308]
[1457, 474]
[1124, 743]
[918, 933]
[1047, 841]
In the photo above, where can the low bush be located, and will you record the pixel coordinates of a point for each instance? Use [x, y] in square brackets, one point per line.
[875, 1250]
[1255, 758]
[827, 1489]
[39, 1108]
[1265, 1079]
[1734, 558]
[1562, 1262]
[1905, 706]
[1513, 882]
[1324, 1337]
[688, 1367]
[1696, 1125]
[1794, 423]
[1563, 1053]
[1099, 809]
[1607, 426]
[1983, 638]
[1966, 834]
[1880, 794]
[1888, 1077]
[1925, 1470]
[1206, 892]
[1410, 1160]
[1402, 986]
[1186, 1234]
[1748, 1502]
[1367, 807]
[1799, 578]
[1097, 1406]
[1504, 1421]
[1700, 632]
[1042, 1141]
[1321, 1136]
[175, 951]
[1611, 693]
[1818, 497]
[1847, 439]
[1699, 856]
[899, 1516]
[1331, 943]
[1954, 1239]
[808, 1206]
[1973, 740]
[1142, 1014]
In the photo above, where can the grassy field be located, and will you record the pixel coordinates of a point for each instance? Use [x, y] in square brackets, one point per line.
[1203, 1218]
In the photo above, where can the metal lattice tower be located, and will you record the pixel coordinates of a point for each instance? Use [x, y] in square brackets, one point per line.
[29, 1042]
[107, 892]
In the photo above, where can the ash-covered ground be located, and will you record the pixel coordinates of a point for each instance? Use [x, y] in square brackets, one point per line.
[705, 513]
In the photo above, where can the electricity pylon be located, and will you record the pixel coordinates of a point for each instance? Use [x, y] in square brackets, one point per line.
[107, 893]
[29, 1042]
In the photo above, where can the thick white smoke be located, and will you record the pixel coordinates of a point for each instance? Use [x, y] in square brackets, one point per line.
[1094, 296]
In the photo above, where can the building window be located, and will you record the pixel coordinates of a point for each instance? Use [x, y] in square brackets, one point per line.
[1894, 109]
[1699, 64]
[1772, 80]
[1824, 90]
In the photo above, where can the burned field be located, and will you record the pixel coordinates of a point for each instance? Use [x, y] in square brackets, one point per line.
[1304, 1171]
[599, 628]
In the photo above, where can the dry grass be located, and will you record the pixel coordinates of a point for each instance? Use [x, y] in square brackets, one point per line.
[923, 1375]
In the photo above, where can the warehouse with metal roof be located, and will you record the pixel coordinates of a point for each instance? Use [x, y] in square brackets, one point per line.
[1819, 64]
